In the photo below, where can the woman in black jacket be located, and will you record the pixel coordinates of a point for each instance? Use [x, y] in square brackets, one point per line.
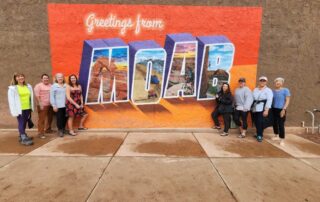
[224, 107]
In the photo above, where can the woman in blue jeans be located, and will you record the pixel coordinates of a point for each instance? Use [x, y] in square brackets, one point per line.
[281, 100]
[20, 97]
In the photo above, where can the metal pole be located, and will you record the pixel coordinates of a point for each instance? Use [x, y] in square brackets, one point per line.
[312, 118]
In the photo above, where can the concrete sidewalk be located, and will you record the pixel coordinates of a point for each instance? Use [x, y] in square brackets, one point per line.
[155, 166]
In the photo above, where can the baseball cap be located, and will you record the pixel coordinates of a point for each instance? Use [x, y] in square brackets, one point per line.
[263, 78]
[241, 79]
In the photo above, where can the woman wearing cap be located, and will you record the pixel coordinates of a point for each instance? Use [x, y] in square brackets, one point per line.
[243, 101]
[281, 99]
[20, 97]
[262, 100]
[225, 107]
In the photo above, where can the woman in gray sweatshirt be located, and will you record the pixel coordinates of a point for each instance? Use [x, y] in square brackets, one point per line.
[243, 101]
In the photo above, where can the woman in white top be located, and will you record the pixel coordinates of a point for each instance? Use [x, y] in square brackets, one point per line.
[262, 96]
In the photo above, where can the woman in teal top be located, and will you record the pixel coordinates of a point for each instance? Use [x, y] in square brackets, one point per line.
[20, 97]
[281, 99]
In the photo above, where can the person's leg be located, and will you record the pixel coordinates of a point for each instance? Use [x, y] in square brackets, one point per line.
[226, 120]
[83, 118]
[214, 116]
[276, 117]
[244, 119]
[41, 120]
[70, 123]
[42, 114]
[259, 124]
[65, 119]
[60, 120]
[236, 118]
[49, 119]
[281, 127]
[22, 123]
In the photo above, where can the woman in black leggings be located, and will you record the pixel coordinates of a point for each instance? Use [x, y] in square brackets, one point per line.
[224, 107]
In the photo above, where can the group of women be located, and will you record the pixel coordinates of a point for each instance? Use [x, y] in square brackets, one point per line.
[263, 103]
[65, 100]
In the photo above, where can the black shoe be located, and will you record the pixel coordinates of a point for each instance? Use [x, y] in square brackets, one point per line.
[25, 141]
[65, 131]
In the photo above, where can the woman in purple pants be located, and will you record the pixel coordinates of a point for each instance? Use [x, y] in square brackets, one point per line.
[20, 97]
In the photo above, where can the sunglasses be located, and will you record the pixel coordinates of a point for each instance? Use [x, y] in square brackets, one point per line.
[262, 80]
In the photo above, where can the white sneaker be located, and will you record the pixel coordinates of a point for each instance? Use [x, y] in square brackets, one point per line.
[282, 142]
[242, 135]
[276, 137]
[224, 134]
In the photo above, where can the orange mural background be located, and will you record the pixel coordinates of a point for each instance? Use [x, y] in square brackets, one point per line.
[242, 25]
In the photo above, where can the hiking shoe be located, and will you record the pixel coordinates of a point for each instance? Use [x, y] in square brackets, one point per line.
[259, 138]
[224, 134]
[276, 137]
[25, 141]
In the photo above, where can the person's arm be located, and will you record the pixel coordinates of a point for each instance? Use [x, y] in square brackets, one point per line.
[284, 109]
[11, 102]
[53, 98]
[248, 100]
[81, 96]
[268, 103]
[37, 96]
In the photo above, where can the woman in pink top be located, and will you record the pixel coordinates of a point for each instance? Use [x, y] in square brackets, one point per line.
[45, 111]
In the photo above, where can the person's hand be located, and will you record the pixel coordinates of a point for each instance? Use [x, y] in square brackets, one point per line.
[81, 105]
[77, 106]
[265, 113]
[282, 113]
[55, 109]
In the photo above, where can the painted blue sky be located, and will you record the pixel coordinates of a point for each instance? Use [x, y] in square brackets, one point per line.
[150, 55]
[100, 53]
[220, 57]
[120, 54]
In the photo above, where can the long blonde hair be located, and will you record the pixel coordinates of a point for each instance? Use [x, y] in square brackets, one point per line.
[14, 79]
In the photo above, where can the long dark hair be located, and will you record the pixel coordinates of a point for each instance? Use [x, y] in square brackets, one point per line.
[69, 80]
[14, 79]
[228, 90]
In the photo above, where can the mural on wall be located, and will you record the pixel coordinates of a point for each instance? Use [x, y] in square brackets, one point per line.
[140, 68]
[217, 59]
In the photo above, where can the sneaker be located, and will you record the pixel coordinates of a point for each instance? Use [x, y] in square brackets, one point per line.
[29, 138]
[275, 137]
[41, 136]
[65, 131]
[60, 133]
[25, 141]
[282, 143]
[216, 127]
[242, 135]
[224, 134]
[259, 138]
